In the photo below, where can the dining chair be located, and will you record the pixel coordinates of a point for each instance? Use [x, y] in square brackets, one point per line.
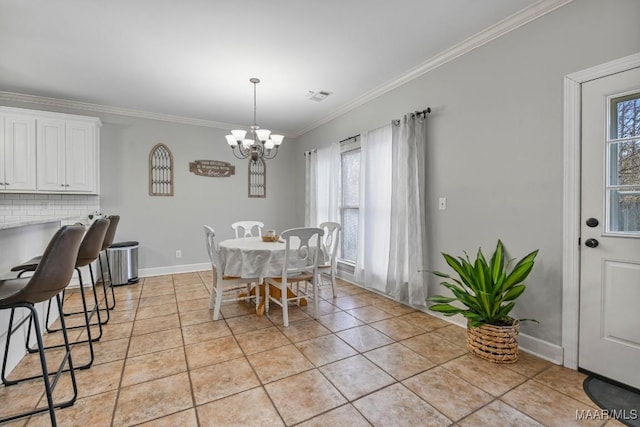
[49, 279]
[224, 285]
[300, 265]
[330, 244]
[245, 228]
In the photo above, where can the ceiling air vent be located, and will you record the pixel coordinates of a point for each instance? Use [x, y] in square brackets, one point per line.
[318, 96]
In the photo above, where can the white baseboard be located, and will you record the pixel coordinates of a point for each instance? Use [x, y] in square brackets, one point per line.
[173, 269]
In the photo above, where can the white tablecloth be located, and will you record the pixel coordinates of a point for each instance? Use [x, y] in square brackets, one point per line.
[250, 257]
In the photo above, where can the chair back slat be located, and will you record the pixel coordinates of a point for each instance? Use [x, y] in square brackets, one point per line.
[245, 228]
[331, 240]
[303, 257]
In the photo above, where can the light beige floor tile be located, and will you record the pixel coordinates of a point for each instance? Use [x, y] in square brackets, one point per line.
[434, 347]
[565, 381]
[156, 311]
[364, 338]
[324, 307]
[99, 378]
[325, 349]
[20, 397]
[493, 378]
[153, 399]
[181, 419]
[155, 324]
[425, 321]
[210, 352]
[191, 287]
[262, 340]
[449, 394]
[345, 415]
[303, 396]
[394, 308]
[349, 302]
[109, 351]
[272, 365]
[196, 316]
[236, 309]
[498, 414]
[529, 365]
[397, 329]
[548, 406]
[193, 304]
[339, 321]
[453, 333]
[204, 331]
[399, 361]
[92, 411]
[156, 300]
[121, 316]
[223, 379]
[191, 295]
[155, 341]
[397, 406]
[369, 314]
[304, 330]
[152, 366]
[356, 376]
[249, 408]
[248, 323]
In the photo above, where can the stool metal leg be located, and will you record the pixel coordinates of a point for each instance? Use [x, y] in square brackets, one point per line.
[49, 384]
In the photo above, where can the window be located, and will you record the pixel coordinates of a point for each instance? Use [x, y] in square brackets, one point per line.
[623, 177]
[350, 199]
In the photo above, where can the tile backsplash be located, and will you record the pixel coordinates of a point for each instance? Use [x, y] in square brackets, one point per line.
[31, 206]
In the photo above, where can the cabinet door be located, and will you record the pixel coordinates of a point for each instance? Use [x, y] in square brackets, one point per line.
[81, 154]
[51, 158]
[19, 153]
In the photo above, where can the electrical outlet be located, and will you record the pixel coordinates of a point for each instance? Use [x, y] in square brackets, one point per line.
[442, 203]
[178, 253]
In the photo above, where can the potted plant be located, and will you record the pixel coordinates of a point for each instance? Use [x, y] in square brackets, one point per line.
[487, 292]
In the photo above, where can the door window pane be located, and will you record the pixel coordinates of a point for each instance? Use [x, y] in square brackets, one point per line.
[623, 166]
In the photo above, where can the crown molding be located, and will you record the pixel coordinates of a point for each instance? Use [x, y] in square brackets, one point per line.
[499, 29]
[84, 106]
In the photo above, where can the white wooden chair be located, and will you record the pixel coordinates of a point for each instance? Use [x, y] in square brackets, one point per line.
[300, 265]
[245, 228]
[330, 243]
[224, 288]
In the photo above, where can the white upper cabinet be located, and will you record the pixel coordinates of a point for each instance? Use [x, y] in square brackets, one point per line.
[18, 149]
[64, 153]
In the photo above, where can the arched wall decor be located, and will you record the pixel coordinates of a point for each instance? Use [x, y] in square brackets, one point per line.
[160, 171]
[258, 178]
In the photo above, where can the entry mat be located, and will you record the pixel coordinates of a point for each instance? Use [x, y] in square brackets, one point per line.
[616, 402]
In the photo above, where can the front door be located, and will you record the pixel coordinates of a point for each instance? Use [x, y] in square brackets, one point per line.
[609, 342]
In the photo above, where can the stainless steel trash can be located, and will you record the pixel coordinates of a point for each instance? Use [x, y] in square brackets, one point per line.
[123, 260]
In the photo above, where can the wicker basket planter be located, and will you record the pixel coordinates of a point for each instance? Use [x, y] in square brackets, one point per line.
[498, 344]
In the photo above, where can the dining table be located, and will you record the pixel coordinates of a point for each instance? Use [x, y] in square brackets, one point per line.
[255, 257]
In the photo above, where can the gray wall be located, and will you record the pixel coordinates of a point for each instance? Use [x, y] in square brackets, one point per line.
[495, 141]
[164, 224]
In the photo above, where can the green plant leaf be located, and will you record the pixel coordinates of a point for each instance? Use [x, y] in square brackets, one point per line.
[441, 299]
[497, 263]
[514, 292]
[446, 309]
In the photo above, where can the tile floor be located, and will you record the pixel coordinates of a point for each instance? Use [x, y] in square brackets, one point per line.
[163, 361]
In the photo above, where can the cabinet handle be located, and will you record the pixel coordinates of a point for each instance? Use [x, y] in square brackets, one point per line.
[61, 185]
[66, 185]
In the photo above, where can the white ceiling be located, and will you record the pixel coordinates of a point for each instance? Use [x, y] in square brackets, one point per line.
[194, 58]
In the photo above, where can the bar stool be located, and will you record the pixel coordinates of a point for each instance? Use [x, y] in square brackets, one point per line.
[87, 254]
[49, 279]
[108, 241]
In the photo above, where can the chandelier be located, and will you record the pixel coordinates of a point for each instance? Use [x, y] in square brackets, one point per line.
[264, 145]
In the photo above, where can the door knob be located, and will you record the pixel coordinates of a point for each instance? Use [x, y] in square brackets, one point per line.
[591, 243]
[592, 222]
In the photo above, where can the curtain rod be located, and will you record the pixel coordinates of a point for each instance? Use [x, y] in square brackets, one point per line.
[347, 139]
[306, 153]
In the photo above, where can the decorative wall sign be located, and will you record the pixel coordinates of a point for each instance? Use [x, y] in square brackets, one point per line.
[258, 178]
[160, 171]
[213, 168]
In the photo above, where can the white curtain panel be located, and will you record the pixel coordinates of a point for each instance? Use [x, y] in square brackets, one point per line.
[328, 182]
[405, 278]
[374, 226]
[310, 188]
